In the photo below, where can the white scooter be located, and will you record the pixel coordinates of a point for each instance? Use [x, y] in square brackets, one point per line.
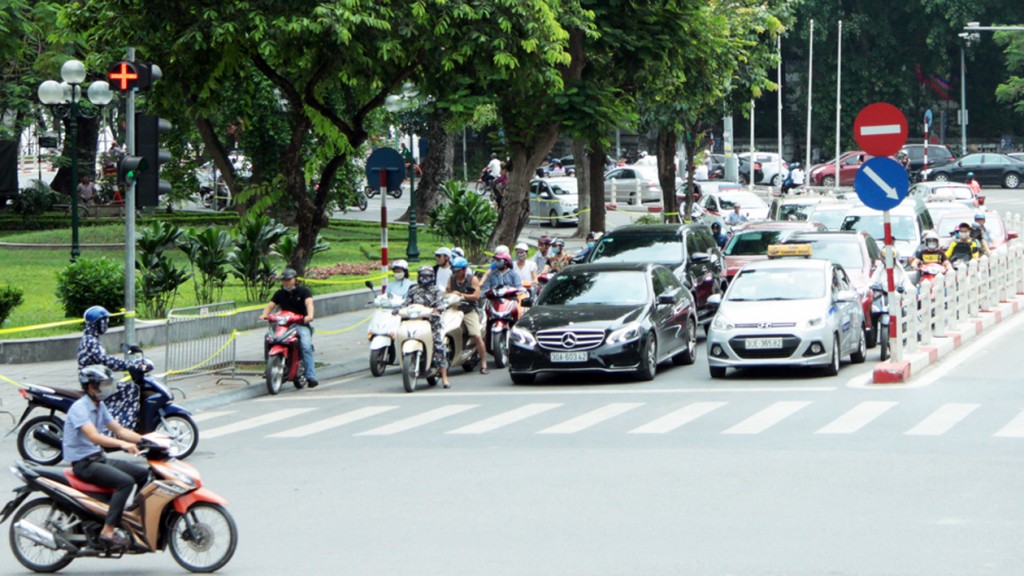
[416, 342]
[381, 332]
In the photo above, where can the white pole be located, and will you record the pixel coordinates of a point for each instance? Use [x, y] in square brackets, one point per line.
[839, 105]
[129, 219]
[810, 85]
[778, 166]
[750, 182]
[963, 104]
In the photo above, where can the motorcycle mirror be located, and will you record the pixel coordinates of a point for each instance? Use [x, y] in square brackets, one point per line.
[369, 285]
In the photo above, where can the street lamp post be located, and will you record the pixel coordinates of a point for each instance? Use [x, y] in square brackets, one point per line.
[408, 101]
[64, 98]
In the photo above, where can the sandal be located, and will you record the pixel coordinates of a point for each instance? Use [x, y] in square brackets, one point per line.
[484, 370]
[446, 385]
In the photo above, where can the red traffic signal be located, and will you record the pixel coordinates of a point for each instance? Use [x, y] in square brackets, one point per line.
[126, 75]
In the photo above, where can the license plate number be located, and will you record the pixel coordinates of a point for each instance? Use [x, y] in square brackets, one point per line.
[568, 356]
[763, 343]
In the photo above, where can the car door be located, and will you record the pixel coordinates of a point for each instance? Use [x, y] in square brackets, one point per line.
[535, 204]
[848, 168]
[992, 168]
[849, 329]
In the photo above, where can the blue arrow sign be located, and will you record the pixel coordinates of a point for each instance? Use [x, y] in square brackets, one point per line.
[881, 183]
[389, 160]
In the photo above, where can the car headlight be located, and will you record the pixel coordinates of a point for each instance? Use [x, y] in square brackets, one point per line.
[813, 322]
[627, 333]
[721, 323]
[523, 338]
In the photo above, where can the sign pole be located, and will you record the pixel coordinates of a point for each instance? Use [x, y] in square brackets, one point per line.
[129, 224]
[384, 230]
[890, 256]
[839, 100]
[927, 126]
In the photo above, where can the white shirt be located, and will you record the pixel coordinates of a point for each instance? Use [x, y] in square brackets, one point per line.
[798, 176]
[701, 172]
[526, 269]
[495, 167]
[441, 277]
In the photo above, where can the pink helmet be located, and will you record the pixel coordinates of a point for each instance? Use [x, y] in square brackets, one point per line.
[504, 256]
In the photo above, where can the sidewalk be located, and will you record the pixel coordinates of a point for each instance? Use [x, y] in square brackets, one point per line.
[337, 355]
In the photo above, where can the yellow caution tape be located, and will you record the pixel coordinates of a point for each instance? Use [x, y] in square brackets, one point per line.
[234, 334]
[61, 323]
[359, 280]
[350, 328]
[563, 217]
[6, 379]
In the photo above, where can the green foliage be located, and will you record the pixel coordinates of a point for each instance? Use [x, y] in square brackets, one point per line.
[261, 198]
[1011, 91]
[209, 252]
[648, 219]
[287, 246]
[10, 298]
[35, 199]
[466, 220]
[91, 282]
[160, 278]
[256, 238]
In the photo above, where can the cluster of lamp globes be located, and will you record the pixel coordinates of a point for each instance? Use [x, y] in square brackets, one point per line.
[69, 91]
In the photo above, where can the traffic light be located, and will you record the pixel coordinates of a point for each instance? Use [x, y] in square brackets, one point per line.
[129, 169]
[149, 185]
[125, 75]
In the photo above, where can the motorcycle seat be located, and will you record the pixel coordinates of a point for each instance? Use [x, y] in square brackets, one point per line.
[68, 392]
[67, 477]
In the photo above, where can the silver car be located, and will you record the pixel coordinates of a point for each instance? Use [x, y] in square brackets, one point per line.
[554, 200]
[634, 184]
[791, 311]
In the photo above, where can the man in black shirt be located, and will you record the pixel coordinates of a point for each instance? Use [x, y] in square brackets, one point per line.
[298, 300]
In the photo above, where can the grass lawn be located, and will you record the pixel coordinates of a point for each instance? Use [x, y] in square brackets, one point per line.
[34, 270]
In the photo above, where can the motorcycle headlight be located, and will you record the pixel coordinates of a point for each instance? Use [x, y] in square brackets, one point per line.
[627, 333]
[813, 322]
[721, 323]
[522, 337]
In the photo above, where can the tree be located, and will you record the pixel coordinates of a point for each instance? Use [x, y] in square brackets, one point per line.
[1012, 90]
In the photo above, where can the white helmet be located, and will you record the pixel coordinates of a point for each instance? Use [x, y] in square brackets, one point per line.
[400, 264]
[443, 251]
[458, 252]
[522, 246]
[501, 249]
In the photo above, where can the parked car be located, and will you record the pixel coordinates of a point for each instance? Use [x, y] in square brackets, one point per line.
[825, 174]
[938, 155]
[989, 169]
[584, 321]
[751, 244]
[787, 312]
[718, 205]
[554, 200]
[743, 174]
[1017, 156]
[909, 221]
[774, 168]
[860, 257]
[634, 184]
[688, 250]
[945, 191]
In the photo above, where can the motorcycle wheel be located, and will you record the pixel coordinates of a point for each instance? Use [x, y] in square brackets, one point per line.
[378, 361]
[211, 541]
[35, 450]
[396, 194]
[362, 202]
[883, 343]
[275, 373]
[182, 431]
[370, 191]
[499, 347]
[42, 512]
[410, 371]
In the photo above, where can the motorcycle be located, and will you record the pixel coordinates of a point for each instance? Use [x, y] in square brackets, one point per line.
[929, 272]
[381, 333]
[503, 312]
[40, 439]
[415, 341]
[880, 317]
[372, 191]
[284, 357]
[172, 510]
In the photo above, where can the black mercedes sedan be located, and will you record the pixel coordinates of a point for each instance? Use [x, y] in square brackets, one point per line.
[605, 318]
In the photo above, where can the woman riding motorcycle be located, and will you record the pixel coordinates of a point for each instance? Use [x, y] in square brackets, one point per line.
[123, 404]
[426, 293]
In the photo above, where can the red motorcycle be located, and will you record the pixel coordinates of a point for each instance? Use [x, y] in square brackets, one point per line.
[503, 311]
[284, 356]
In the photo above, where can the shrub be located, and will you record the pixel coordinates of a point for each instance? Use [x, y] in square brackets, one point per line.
[209, 252]
[10, 298]
[256, 237]
[91, 282]
[466, 220]
[648, 219]
[160, 278]
[35, 199]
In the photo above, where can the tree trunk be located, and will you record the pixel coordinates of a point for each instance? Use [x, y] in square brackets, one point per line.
[515, 205]
[579, 152]
[667, 174]
[596, 169]
[690, 145]
[437, 168]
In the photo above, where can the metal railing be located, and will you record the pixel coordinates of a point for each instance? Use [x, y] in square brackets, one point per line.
[200, 340]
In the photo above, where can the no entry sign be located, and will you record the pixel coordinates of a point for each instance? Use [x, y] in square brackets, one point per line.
[880, 129]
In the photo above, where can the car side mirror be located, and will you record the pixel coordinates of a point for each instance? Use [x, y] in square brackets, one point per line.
[715, 300]
[846, 296]
[1012, 235]
[700, 257]
[545, 195]
[527, 302]
[667, 300]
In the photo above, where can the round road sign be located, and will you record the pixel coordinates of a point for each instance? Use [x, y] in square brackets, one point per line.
[880, 129]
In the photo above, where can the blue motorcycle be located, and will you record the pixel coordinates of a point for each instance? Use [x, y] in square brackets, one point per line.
[40, 438]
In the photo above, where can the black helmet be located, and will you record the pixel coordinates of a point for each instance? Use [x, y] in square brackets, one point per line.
[426, 276]
[97, 375]
[288, 274]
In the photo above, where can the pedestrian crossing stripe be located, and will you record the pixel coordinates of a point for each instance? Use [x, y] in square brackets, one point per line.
[943, 419]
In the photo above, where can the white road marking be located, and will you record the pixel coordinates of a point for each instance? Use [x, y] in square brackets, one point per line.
[1015, 429]
[940, 421]
[584, 421]
[856, 418]
[767, 418]
[677, 418]
[505, 418]
[333, 422]
[890, 192]
[204, 416]
[418, 420]
[880, 129]
[254, 422]
[548, 393]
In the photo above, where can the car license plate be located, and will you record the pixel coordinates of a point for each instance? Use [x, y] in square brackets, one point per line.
[568, 356]
[763, 343]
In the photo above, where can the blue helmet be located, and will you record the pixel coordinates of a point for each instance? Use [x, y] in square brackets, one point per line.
[459, 263]
[979, 216]
[970, 174]
[99, 316]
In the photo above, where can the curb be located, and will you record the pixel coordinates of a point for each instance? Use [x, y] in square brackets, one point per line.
[926, 355]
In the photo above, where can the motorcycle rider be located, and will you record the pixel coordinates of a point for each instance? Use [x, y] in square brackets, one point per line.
[504, 274]
[401, 283]
[527, 269]
[427, 293]
[559, 259]
[540, 258]
[83, 445]
[124, 404]
[973, 183]
[465, 284]
[981, 233]
[964, 248]
[443, 266]
[298, 300]
[716, 232]
[795, 179]
[592, 238]
[930, 253]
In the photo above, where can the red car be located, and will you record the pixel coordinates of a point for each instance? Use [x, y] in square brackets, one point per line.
[825, 174]
[751, 243]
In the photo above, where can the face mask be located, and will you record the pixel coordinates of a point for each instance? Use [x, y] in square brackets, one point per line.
[106, 391]
[425, 280]
[399, 275]
[101, 327]
[499, 264]
[590, 244]
[521, 256]
[931, 244]
[965, 235]
[555, 250]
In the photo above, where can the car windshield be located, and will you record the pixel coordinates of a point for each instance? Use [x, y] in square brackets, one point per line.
[794, 211]
[830, 216]
[902, 226]
[777, 284]
[755, 242]
[574, 288]
[948, 224]
[745, 199]
[564, 188]
[845, 252]
[655, 248]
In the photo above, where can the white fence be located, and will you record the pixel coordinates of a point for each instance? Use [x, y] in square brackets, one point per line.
[939, 306]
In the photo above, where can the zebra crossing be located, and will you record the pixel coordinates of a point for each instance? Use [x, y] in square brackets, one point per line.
[818, 418]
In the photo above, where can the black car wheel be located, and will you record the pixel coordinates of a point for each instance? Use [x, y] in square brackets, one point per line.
[649, 359]
[872, 335]
[861, 354]
[689, 354]
[833, 366]
[1011, 180]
